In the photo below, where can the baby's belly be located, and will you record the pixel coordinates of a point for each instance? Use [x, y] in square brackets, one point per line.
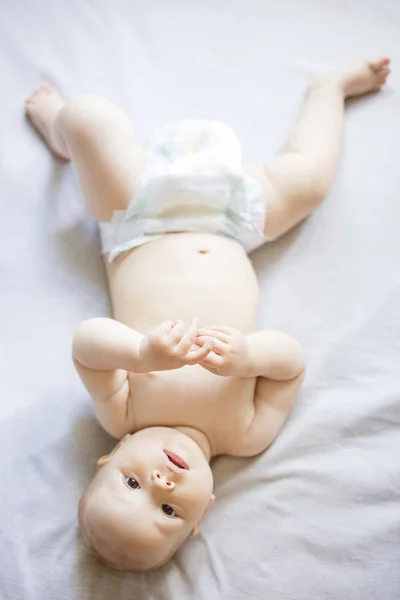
[181, 276]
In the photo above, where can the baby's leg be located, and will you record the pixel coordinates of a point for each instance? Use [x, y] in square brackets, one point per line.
[296, 182]
[98, 138]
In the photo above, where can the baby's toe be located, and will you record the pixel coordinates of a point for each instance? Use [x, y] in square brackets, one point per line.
[30, 99]
[379, 64]
[383, 75]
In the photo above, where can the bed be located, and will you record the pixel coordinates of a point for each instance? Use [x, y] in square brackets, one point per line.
[318, 515]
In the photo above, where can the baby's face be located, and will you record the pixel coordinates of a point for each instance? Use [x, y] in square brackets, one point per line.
[151, 494]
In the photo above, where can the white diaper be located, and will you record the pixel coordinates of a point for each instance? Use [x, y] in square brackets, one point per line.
[194, 181]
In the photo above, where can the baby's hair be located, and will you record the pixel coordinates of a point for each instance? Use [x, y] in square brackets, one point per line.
[118, 563]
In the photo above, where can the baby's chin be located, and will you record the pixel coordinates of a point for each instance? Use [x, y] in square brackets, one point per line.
[187, 443]
[192, 441]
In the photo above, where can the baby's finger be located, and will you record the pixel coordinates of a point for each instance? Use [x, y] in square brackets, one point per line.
[219, 347]
[176, 332]
[220, 335]
[188, 338]
[166, 327]
[209, 369]
[214, 361]
[196, 356]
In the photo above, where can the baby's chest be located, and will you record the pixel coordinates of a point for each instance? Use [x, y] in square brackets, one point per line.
[221, 407]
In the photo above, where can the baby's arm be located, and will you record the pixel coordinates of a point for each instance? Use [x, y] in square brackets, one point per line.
[274, 355]
[277, 361]
[273, 402]
[106, 352]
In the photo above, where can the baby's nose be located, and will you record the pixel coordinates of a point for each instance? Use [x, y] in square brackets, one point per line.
[161, 481]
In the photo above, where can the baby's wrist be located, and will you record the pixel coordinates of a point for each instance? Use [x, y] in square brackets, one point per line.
[246, 360]
[144, 357]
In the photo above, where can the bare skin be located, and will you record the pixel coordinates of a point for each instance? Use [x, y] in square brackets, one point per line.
[212, 379]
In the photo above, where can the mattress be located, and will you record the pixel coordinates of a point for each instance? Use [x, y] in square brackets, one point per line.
[318, 515]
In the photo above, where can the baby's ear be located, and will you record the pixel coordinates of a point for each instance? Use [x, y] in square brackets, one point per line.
[103, 460]
[196, 528]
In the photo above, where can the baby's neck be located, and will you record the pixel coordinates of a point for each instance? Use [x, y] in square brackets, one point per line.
[200, 438]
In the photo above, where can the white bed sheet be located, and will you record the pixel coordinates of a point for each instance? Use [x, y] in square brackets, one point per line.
[318, 516]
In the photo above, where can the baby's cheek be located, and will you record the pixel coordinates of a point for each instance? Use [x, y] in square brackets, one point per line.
[197, 497]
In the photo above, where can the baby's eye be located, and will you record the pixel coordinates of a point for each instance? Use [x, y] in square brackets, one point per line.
[168, 510]
[132, 483]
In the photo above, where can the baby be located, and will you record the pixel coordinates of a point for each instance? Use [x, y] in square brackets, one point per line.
[182, 375]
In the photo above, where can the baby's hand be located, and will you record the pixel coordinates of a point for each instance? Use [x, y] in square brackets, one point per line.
[171, 347]
[230, 354]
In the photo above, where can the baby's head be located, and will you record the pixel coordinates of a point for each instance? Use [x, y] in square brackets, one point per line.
[147, 497]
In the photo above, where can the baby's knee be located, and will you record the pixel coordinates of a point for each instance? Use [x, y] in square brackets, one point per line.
[82, 115]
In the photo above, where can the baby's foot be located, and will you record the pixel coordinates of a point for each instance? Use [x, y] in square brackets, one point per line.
[360, 77]
[42, 108]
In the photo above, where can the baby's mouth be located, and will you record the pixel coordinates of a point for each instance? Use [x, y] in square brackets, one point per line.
[176, 460]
